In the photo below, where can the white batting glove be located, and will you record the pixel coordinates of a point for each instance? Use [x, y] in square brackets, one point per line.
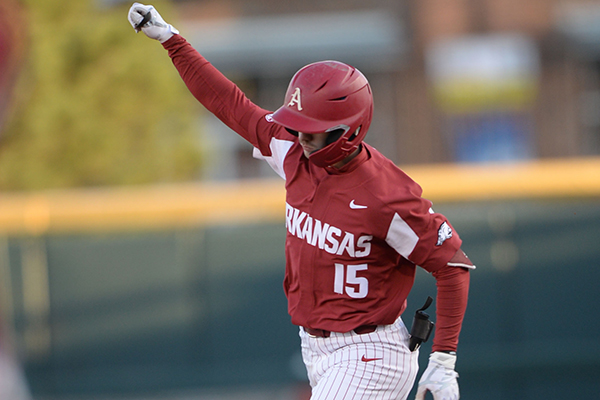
[439, 378]
[155, 28]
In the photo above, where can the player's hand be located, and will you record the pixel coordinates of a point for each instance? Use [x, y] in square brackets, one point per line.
[439, 378]
[155, 28]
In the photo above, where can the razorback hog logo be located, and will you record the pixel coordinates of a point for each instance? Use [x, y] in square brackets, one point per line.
[296, 100]
[444, 233]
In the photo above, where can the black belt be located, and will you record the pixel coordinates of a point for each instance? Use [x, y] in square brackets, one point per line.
[322, 333]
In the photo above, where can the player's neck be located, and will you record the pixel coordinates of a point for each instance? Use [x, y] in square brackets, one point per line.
[346, 160]
[347, 163]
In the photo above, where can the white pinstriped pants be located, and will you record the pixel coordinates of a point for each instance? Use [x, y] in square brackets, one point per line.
[348, 366]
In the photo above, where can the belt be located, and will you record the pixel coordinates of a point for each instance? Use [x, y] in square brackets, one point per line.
[361, 330]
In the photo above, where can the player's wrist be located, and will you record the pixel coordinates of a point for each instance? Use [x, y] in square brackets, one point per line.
[446, 360]
[167, 33]
[447, 351]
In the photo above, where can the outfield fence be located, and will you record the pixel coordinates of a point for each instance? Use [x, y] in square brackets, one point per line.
[175, 291]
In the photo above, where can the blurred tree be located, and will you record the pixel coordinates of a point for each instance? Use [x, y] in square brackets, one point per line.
[96, 104]
[11, 50]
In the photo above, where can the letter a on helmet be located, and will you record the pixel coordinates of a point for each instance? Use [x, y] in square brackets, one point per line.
[328, 96]
[296, 100]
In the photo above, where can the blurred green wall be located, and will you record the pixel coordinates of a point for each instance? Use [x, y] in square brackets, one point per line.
[138, 312]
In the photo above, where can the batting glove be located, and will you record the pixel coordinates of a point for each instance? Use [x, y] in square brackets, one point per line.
[155, 28]
[439, 378]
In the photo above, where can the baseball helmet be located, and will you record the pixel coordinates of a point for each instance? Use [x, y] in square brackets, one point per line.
[328, 97]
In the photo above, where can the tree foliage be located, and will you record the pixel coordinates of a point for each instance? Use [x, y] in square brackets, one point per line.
[96, 104]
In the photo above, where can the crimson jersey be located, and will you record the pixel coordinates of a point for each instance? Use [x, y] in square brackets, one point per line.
[354, 235]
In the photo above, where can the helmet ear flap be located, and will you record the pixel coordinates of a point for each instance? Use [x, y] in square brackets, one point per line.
[355, 134]
[334, 135]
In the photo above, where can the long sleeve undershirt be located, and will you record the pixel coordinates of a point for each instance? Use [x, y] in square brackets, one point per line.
[451, 304]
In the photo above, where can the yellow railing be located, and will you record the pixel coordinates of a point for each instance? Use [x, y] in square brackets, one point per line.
[194, 204]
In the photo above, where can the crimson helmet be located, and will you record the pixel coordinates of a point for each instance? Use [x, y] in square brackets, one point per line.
[328, 96]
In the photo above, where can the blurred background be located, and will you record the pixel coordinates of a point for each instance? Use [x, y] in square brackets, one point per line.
[141, 246]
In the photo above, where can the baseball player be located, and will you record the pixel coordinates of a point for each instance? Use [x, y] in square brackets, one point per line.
[357, 227]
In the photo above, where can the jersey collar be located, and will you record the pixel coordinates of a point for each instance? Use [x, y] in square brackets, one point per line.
[356, 162]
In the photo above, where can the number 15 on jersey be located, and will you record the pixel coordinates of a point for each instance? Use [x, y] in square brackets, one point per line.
[346, 281]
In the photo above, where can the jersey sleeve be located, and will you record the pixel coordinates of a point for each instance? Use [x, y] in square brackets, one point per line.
[418, 233]
[427, 239]
[221, 96]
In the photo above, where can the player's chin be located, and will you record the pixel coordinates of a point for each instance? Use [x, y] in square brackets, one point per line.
[308, 151]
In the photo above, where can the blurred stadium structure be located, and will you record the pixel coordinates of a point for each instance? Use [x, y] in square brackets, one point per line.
[174, 291]
[460, 80]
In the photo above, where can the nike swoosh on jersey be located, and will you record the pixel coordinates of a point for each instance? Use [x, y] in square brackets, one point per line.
[365, 359]
[355, 206]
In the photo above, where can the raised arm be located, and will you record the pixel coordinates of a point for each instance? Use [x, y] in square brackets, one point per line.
[208, 85]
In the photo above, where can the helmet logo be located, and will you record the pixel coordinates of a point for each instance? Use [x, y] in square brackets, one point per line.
[296, 101]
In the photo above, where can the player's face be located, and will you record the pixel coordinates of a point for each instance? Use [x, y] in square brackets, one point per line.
[312, 142]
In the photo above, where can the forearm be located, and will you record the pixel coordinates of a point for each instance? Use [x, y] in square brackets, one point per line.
[209, 86]
[451, 304]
